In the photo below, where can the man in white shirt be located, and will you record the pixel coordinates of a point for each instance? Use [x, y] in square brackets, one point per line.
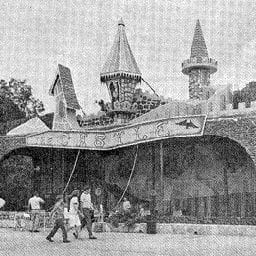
[87, 209]
[34, 204]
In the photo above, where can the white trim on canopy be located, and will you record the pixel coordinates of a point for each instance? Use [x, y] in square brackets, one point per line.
[33, 125]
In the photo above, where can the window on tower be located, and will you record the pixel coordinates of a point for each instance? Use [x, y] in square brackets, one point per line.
[223, 102]
[114, 91]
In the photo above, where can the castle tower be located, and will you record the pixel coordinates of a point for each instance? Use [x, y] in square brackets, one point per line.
[121, 75]
[199, 67]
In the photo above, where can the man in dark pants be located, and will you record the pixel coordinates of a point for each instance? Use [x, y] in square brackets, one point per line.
[87, 208]
[58, 214]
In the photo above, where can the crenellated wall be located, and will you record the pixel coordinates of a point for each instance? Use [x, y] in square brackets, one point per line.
[147, 101]
[220, 110]
[142, 103]
[99, 119]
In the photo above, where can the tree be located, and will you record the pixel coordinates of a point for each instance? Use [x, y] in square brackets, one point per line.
[247, 95]
[9, 111]
[16, 181]
[18, 100]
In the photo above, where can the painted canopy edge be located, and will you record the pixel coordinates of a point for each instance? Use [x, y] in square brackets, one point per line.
[132, 134]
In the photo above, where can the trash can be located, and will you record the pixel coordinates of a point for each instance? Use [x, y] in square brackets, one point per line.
[151, 227]
[151, 224]
[151, 219]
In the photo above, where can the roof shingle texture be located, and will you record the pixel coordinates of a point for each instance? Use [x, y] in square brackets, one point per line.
[121, 57]
[68, 87]
[198, 48]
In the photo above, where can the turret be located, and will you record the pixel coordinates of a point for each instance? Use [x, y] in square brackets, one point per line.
[199, 67]
[121, 75]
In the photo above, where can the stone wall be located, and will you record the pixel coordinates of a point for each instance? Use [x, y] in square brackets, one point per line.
[22, 220]
[8, 144]
[199, 82]
[239, 129]
[197, 229]
[146, 102]
[94, 121]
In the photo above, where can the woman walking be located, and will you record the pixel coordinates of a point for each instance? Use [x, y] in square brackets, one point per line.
[74, 219]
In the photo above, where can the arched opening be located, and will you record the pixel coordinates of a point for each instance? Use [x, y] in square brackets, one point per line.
[205, 179]
[47, 170]
[210, 177]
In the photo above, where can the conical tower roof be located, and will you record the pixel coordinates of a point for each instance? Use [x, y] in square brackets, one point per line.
[120, 60]
[198, 48]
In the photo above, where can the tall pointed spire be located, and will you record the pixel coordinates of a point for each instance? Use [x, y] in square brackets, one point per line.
[199, 67]
[120, 60]
[198, 48]
[121, 75]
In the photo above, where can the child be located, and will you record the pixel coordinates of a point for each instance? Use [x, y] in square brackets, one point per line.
[58, 214]
[142, 212]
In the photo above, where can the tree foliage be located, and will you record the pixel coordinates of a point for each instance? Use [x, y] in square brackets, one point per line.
[17, 101]
[9, 111]
[16, 181]
[247, 95]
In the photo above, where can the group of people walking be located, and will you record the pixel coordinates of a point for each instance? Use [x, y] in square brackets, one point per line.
[78, 216]
[71, 213]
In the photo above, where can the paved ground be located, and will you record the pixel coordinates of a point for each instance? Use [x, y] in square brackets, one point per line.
[24, 243]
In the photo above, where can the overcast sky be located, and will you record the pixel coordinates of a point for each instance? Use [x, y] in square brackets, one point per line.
[37, 35]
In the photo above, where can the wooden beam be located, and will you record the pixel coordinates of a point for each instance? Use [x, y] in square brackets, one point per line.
[161, 155]
[63, 167]
[153, 174]
[153, 182]
[226, 192]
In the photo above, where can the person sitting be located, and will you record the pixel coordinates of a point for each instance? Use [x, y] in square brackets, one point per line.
[142, 212]
[126, 206]
[126, 210]
[177, 213]
[101, 214]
